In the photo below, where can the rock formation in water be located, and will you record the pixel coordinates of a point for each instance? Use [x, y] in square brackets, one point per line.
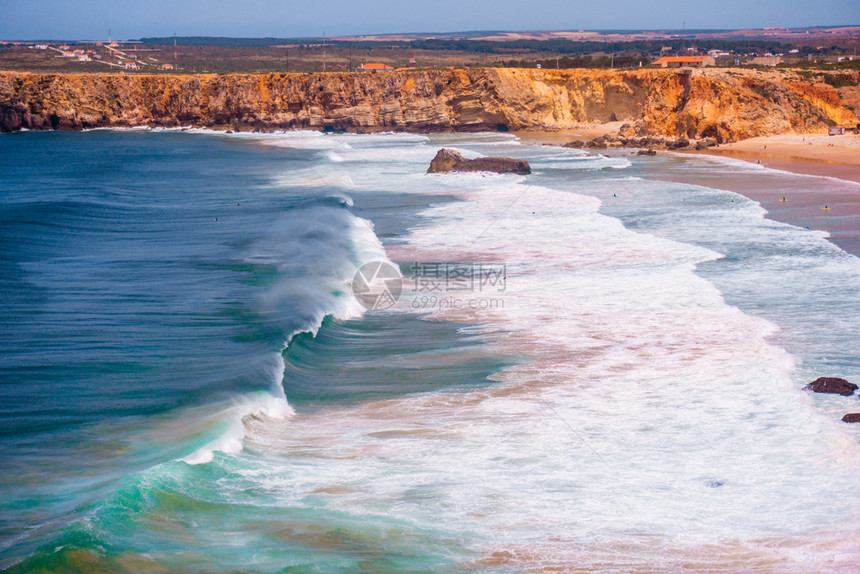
[726, 105]
[447, 160]
[832, 385]
[851, 418]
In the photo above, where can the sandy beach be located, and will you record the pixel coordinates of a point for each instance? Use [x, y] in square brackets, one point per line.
[832, 206]
[584, 133]
[816, 155]
[829, 200]
[811, 154]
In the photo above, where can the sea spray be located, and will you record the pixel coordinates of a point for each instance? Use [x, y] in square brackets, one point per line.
[635, 403]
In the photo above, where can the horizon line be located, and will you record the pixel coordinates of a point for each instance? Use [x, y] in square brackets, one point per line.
[463, 32]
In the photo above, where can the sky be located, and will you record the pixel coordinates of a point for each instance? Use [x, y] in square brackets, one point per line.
[91, 19]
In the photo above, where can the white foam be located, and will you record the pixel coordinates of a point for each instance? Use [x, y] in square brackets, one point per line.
[646, 407]
[629, 346]
[234, 417]
[317, 140]
[739, 165]
[581, 162]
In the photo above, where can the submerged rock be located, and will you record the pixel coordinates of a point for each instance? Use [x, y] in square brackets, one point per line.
[646, 142]
[851, 418]
[447, 160]
[832, 385]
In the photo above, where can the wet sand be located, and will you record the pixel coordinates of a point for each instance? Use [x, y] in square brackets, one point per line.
[832, 161]
[811, 154]
[799, 165]
[828, 201]
[586, 132]
[823, 200]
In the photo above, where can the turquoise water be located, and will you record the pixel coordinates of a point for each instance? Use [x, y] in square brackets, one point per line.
[189, 384]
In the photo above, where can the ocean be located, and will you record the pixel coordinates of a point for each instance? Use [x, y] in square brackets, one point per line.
[298, 352]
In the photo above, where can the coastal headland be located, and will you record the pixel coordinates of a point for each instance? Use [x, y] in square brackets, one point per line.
[719, 105]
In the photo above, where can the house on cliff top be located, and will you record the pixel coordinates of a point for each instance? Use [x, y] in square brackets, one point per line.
[375, 67]
[685, 62]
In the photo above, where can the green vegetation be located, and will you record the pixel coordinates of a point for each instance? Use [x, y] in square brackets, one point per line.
[838, 81]
[814, 65]
[219, 55]
[554, 46]
[566, 62]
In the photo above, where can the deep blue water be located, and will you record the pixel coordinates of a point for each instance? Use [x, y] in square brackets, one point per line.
[187, 382]
[148, 275]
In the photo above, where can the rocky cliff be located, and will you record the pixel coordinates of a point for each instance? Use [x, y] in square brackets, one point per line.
[725, 105]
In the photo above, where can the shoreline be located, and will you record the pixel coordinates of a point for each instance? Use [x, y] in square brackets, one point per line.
[818, 156]
[792, 164]
[819, 195]
[813, 155]
[831, 201]
[806, 154]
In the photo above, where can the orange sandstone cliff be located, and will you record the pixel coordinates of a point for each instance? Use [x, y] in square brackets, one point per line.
[725, 105]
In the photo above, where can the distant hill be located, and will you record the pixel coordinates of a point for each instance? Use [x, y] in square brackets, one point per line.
[224, 42]
[507, 37]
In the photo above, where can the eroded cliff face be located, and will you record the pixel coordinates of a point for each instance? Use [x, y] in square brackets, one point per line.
[726, 105]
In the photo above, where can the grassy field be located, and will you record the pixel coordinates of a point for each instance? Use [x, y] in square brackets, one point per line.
[235, 55]
[219, 60]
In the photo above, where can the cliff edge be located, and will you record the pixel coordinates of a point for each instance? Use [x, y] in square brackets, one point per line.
[727, 105]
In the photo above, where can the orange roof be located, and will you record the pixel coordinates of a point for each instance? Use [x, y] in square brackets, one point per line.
[376, 67]
[682, 59]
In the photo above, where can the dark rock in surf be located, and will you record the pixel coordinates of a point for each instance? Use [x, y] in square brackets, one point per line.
[851, 418]
[12, 117]
[832, 385]
[600, 142]
[447, 160]
[646, 152]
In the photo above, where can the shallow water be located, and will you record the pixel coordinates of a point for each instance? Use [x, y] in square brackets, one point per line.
[592, 366]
